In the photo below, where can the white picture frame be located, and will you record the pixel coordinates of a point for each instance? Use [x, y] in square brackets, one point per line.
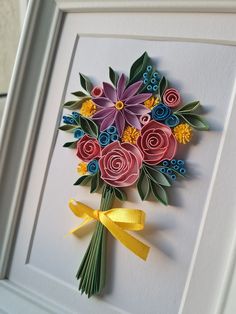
[212, 22]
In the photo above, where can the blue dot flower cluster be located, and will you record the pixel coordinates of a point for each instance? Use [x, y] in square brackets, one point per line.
[93, 166]
[151, 79]
[108, 136]
[71, 119]
[173, 166]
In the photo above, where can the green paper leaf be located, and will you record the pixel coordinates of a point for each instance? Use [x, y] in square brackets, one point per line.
[196, 121]
[79, 94]
[138, 68]
[120, 194]
[89, 127]
[68, 127]
[159, 193]
[95, 183]
[83, 180]
[189, 107]
[143, 186]
[163, 85]
[70, 144]
[85, 83]
[73, 105]
[113, 76]
[156, 176]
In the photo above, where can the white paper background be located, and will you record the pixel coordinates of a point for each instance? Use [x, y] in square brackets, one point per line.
[200, 72]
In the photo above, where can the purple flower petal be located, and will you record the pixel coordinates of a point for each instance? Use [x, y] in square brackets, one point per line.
[137, 109]
[121, 86]
[138, 99]
[120, 122]
[132, 90]
[132, 119]
[108, 120]
[103, 102]
[103, 113]
[110, 92]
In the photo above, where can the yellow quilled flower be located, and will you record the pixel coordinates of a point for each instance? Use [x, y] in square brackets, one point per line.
[88, 108]
[183, 133]
[152, 102]
[82, 168]
[130, 135]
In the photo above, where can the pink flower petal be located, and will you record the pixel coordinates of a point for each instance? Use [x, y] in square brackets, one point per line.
[170, 153]
[121, 86]
[110, 92]
[138, 99]
[103, 102]
[134, 149]
[132, 90]
[132, 119]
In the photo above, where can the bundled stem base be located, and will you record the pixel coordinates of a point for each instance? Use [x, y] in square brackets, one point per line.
[92, 271]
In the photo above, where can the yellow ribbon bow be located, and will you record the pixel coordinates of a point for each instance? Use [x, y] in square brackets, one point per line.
[116, 220]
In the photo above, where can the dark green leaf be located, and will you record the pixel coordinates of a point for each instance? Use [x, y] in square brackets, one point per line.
[121, 195]
[68, 127]
[113, 76]
[143, 186]
[70, 144]
[189, 107]
[79, 94]
[83, 180]
[138, 68]
[163, 85]
[195, 121]
[156, 176]
[69, 104]
[159, 193]
[85, 83]
[88, 126]
[95, 182]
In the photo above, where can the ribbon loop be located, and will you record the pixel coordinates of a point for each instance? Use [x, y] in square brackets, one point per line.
[117, 221]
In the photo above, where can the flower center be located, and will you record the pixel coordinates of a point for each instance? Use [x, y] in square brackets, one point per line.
[119, 105]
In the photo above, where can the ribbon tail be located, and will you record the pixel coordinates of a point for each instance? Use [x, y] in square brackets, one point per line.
[133, 244]
[85, 222]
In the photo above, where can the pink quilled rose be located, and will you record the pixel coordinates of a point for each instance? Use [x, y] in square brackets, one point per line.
[171, 98]
[156, 142]
[88, 148]
[120, 164]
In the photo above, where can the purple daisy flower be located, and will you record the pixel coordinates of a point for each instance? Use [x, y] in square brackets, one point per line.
[121, 105]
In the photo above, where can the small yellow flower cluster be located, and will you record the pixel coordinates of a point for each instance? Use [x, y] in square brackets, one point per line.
[82, 168]
[151, 102]
[88, 108]
[183, 133]
[130, 135]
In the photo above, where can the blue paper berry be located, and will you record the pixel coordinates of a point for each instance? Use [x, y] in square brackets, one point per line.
[93, 166]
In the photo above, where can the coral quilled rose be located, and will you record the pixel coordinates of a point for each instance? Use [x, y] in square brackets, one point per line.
[120, 164]
[171, 98]
[88, 148]
[157, 143]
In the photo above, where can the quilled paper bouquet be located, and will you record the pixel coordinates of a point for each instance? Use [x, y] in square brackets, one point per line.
[126, 133]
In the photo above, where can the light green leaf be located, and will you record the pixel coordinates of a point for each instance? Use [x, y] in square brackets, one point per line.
[156, 176]
[195, 121]
[89, 127]
[68, 127]
[113, 76]
[73, 105]
[138, 68]
[83, 180]
[143, 186]
[159, 193]
[189, 107]
[85, 83]
[119, 194]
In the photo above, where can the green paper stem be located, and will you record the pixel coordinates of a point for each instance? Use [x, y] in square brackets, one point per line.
[92, 271]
